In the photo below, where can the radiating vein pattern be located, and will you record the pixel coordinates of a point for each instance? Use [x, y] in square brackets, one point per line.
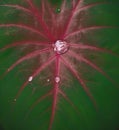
[57, 40]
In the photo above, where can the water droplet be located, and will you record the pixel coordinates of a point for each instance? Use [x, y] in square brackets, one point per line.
[61, 47]
[58, 10]
[30, 79]
[57, 79]
[48, 80]
[15, 100]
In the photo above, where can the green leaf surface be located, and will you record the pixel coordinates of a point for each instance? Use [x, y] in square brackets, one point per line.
[59, 65]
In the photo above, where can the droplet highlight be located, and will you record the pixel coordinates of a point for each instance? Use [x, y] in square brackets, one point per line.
[58, 10]
[48, 80]
[57, 79]
[30, 78]
[15, 100]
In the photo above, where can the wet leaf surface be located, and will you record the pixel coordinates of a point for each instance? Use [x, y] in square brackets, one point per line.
[59, 65]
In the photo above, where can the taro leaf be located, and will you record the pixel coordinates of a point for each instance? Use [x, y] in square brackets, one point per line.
[59, 65]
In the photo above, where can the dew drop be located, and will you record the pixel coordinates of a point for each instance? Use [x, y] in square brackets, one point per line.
[58, 10]
[15, 100]
[61, 47]
[48, 80]
[57, 79]
[30, 79]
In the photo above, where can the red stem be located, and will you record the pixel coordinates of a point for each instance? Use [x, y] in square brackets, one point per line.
[17, 7]
[38, 101]
[88, 62]
[69, 101]
[39, 18]
[91, 5]
[37, 43]
[70, 19]
[74, 72]
[55, 91]
[29, 56]
[35, 73]
[86, 29]
[21, 26]
[89, 47]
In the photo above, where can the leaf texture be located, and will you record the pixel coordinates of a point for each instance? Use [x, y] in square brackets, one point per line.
[59, 65]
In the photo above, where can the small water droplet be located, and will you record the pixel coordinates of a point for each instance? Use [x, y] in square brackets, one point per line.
[58, 10]
[48, 80]
[57, 79]
[30, 79]
[15, 100]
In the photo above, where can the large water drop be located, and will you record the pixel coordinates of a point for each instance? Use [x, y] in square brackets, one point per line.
[61, 47]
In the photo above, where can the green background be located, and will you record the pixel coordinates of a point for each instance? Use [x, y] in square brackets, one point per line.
[12, 115]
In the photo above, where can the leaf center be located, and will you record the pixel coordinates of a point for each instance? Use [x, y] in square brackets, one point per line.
[61, 47]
